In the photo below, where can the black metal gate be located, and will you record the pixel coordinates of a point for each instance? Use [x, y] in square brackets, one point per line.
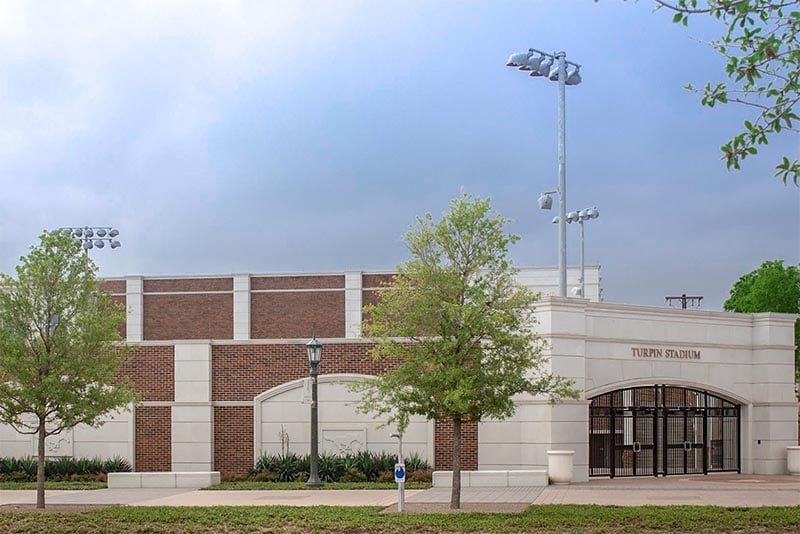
[662, 430]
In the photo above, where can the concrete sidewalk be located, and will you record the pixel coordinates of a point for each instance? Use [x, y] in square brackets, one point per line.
[717, 490]
[188, 497]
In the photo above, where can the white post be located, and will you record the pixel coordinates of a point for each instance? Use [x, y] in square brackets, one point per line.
[583, 269]
[401, 483]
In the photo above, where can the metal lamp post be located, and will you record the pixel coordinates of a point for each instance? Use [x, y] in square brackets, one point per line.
[554, 67]
[314, 350]
[94, 236]
[580, 217]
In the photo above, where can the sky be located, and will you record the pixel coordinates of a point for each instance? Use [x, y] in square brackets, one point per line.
[300, 136]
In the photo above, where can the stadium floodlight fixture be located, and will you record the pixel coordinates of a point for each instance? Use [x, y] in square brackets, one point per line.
[92, 237]
[545, 200]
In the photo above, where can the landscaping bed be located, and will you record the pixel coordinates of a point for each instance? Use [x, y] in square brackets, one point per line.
[60, 473]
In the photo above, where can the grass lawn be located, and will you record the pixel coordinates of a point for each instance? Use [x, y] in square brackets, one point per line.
[560, 518]
[53, 485]
[253, 485]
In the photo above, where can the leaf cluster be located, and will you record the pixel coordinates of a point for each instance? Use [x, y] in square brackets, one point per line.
[457, 325]
[762, 53]
[59, 341]
[772, 287]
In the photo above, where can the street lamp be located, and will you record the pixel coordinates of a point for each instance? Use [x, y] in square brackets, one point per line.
[580, 217]
[94, 236]
[314, 350]
[554, 67]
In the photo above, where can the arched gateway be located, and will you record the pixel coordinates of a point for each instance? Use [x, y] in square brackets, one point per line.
[663, 430]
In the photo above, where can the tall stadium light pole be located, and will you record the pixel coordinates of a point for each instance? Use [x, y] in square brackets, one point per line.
[93, 236]
[554, 67]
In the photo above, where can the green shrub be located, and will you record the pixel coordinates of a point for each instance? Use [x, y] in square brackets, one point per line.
[416, 463]
[352, 475]
[331, 468]
[362, 466]
[420, 475]
[115, 465]
[264, 476]
[64, 468]
[385, 476]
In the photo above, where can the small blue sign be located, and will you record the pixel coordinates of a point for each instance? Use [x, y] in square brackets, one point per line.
[399, 473]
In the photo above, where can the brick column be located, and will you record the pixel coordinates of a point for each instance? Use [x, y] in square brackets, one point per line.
[443, 445]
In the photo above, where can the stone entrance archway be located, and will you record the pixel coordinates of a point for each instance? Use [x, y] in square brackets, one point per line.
[663, 430]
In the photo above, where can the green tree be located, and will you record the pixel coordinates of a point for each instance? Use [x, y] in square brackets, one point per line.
[762, 52]
[58, 345]
[459, 328]
[770, 288]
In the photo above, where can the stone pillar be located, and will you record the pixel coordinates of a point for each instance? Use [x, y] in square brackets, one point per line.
[563, 325]
[135, 307]
[774, 410]
[522, 441]
[241, 306]
[192, 412]
[352, 304]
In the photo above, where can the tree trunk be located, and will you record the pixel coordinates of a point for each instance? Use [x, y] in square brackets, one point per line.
[455, 496]
[40, 467]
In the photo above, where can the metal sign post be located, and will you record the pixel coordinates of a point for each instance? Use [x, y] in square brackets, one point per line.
[400, 475]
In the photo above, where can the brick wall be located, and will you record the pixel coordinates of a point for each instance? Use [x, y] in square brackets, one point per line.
[297, 282]
[151, 369]
[294, 314]
[443, 445]
[153, 438]
[114, 286]
[240, 372]
[152, 285]
[188, 316]
[233, 440]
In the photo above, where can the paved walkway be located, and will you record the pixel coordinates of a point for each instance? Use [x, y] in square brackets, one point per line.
[188, 497]
[718, 490]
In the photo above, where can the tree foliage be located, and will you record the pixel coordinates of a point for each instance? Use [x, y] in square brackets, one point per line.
[772, 287]
[58, 356]
[762, 53]
[459, 327]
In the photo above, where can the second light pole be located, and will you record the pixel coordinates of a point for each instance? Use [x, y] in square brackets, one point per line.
[314, 350]
[580, 217]
[554, 67]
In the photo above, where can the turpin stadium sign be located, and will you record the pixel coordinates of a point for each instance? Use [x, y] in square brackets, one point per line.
[678, 354]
